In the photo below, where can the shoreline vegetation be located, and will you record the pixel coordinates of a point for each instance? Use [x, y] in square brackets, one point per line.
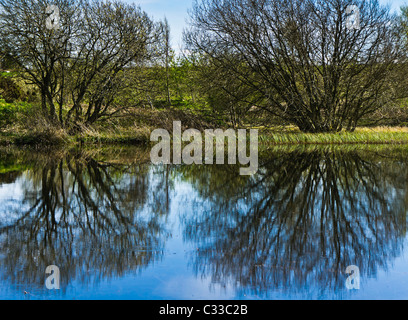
[275, 136]
[295, 90]
[26, 126]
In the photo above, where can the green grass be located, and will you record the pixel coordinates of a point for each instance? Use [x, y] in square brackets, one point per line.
[379, 135]
[388, 136]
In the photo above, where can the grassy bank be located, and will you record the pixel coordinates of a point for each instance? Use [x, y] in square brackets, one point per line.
[378, 135]
[136, 136]
[21, 124]
[62, 139]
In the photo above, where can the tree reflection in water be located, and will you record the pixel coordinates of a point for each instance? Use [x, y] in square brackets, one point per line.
[87, 217]
[300, 222]
[294, 227]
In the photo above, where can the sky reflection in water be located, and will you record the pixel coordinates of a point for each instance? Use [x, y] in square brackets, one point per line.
[119, 229]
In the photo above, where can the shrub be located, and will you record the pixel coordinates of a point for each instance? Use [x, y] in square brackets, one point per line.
[8, 114]
[9, 90]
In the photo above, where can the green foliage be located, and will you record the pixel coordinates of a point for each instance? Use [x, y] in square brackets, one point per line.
[9, 112]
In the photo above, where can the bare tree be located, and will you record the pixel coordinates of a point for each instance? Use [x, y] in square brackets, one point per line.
[115, 38]
[39, 51]
[304, 60]
[81, 61]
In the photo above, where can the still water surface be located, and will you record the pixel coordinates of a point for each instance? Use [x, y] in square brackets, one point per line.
[121, 228]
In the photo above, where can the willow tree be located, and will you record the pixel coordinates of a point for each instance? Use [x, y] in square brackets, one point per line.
[321, 65]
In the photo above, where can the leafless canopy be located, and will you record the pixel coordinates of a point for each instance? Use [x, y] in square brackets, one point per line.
[80, 63]
[319, 64]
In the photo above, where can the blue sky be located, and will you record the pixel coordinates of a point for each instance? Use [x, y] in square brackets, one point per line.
[176, 12]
